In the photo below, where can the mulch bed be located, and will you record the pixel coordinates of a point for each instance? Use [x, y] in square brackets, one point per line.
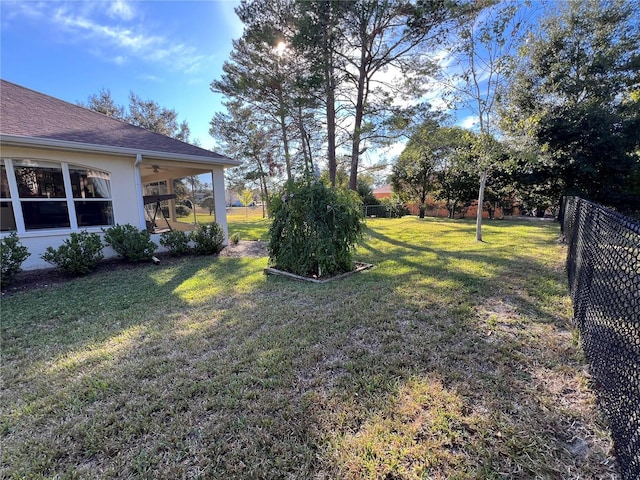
[47, 277]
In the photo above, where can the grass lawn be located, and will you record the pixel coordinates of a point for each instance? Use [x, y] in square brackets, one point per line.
[450, 360]
[247, 222]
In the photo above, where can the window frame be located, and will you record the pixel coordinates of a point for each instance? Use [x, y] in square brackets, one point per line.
[68, 199]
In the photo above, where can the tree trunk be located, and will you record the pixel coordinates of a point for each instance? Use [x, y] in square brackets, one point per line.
[421, 210]
[285, 136]
[306, 144]
[331, 133]
[355, 149]
[330, 87]
[265, 192]
[483, 183]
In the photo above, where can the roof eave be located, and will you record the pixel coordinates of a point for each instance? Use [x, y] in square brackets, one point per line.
[23, 141]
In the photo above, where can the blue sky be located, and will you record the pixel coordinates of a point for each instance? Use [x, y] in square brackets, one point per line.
[167, 51]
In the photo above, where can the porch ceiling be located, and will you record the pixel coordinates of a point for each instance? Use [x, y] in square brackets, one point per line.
[156, 171]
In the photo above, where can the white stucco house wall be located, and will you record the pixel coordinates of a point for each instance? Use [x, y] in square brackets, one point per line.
[64, 168]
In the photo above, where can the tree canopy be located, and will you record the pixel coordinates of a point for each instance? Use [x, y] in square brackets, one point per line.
[141, 113]
[438, 160]
[331, 76]
[575, 98]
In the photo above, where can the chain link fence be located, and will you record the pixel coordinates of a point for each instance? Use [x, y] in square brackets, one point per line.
[385, 211]
[603, 265]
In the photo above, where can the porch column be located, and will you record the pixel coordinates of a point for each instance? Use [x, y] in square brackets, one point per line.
[172, 202]
[219, 205]
[142, 225]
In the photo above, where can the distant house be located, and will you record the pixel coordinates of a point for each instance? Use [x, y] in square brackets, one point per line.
[384, 191]
[65, 168]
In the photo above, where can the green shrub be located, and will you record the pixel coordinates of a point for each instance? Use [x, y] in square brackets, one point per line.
[129, 242]
[234, 238]
[393, 208]
[208, 239]
[314, 229]
[12, 255]
[78, 255]
[182, 211]
[176, 241]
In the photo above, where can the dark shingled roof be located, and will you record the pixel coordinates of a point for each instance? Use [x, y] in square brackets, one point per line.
[27, 113]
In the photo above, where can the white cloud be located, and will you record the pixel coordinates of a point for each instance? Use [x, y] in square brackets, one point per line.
[110, 31]
[469, 122]
[394, 151]
[121, 9]
[150, 78]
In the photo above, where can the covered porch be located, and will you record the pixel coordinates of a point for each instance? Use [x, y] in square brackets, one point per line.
[157, 187]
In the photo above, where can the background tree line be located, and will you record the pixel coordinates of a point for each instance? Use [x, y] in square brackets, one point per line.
[554, 92]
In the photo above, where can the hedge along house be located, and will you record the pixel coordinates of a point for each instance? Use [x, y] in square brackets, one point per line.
[65, 168]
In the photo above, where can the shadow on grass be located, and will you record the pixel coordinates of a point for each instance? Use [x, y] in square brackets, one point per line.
[398, 372]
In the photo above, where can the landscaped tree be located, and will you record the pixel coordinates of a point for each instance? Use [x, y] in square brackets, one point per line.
[487, 36]
[576, 94]
[315, 229]
[246, 199]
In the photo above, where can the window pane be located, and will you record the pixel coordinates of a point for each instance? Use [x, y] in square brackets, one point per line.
[41, 215]
[90, 183]
[7, 220]
[94, 213]
[4, 183]
[39, 180]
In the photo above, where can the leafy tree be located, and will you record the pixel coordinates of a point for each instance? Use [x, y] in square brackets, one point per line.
[181, 190]
[339, 56]
[487, 36]
[195, 183]
[383, 35]
[315, 229]
[241, 134]
[265, 73]
[103, 103]
[318, 39]
[413, 174]
[148, 114]
[365, 191]
[141, 113]
[208, 203]
[457, 170]
[576, 95]
[246, 198]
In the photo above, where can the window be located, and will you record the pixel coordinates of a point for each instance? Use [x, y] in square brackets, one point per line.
[42, 194]
[7, 219]
[54, 195]
[91, 191]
